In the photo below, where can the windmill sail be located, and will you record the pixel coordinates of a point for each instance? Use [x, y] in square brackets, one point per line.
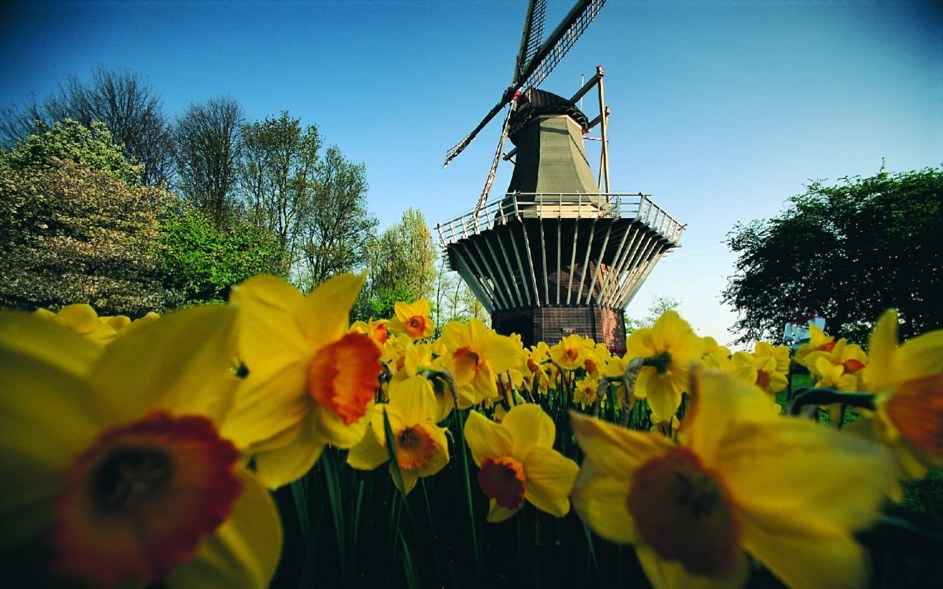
[541, 64]
[556, 254]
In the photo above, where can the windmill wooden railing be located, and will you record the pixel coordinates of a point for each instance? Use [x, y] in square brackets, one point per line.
[531, 250]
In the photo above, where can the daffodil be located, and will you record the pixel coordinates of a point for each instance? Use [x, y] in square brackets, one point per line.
[517, 462]
[376, 329]
[412, 319]
[595, 357]
[818, 342]
[584, 393]
[850, 359]
[766, 367]
[310, 381]
[715, 355]
[908, 381]
[113, 468]
[537, 369]
[569, 352]
[82, 319]
[474, 354]
[737, 481]
[669, 347]
[421, 446]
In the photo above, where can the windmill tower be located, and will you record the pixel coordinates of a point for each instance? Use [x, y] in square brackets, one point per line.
[558, 253]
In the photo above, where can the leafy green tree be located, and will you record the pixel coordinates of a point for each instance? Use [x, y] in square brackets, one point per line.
[336, 227]
[402, 266]
[203, 262]
[77, 226]
[661, 304]
[207, 149]
[845, 252]
[121, 100]
[278, 179]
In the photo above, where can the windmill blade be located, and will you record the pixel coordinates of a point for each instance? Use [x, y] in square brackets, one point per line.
[541, 64]
[461, 145]
[532, 37]
[486, 191]
[530, 42]
[559, 43]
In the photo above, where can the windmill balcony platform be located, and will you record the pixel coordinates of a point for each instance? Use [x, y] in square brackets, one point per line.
[548, 264]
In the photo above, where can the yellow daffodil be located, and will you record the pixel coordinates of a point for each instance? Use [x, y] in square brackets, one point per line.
[833, 376]
[475, 355]
[537, 373]
[818, 342]
[786, 491]
[412, 319]
[518, 462]
[113, 468]
[569, 352]
[584, 393]
[850, 359]
[766, 367]
[421, 446]
[84, 320]
[376, 329]
[310, 380]
[669, 347]
[715, 355]
[908, 381]
[772, 365]
[594, 360]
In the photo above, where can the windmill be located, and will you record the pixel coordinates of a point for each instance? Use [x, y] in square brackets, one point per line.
[558, 253]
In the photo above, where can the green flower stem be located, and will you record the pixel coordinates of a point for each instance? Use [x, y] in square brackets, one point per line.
[824, 396]
[628, 381]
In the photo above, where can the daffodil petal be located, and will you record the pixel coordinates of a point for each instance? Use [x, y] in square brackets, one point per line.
[441, 456]
[615, 450]
[323, 315]
[44, 423]
[335, 431]
[368, 454]
[880, 368]
[672, 575]
[804, 479]
[265, 406]
[530, 427]
[413, 399]
[717, 400]
[498, 514]
[243, 553]
[409, 480]
[663, 396]
[30, 335]
[485, 438]
[922, 355]
[600, 499]
[268, 308]
[502, 353]
[278, 467]
[802, 532]
[550, 478]
[181, 363]
[800, 561]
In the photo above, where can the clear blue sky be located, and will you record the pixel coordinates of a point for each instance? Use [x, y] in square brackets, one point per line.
[720, 109]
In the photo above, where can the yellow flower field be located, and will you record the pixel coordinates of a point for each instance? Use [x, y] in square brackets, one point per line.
[270, 443]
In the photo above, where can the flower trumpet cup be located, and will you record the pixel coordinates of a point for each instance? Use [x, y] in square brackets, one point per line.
[737, 481]
[113, 468]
